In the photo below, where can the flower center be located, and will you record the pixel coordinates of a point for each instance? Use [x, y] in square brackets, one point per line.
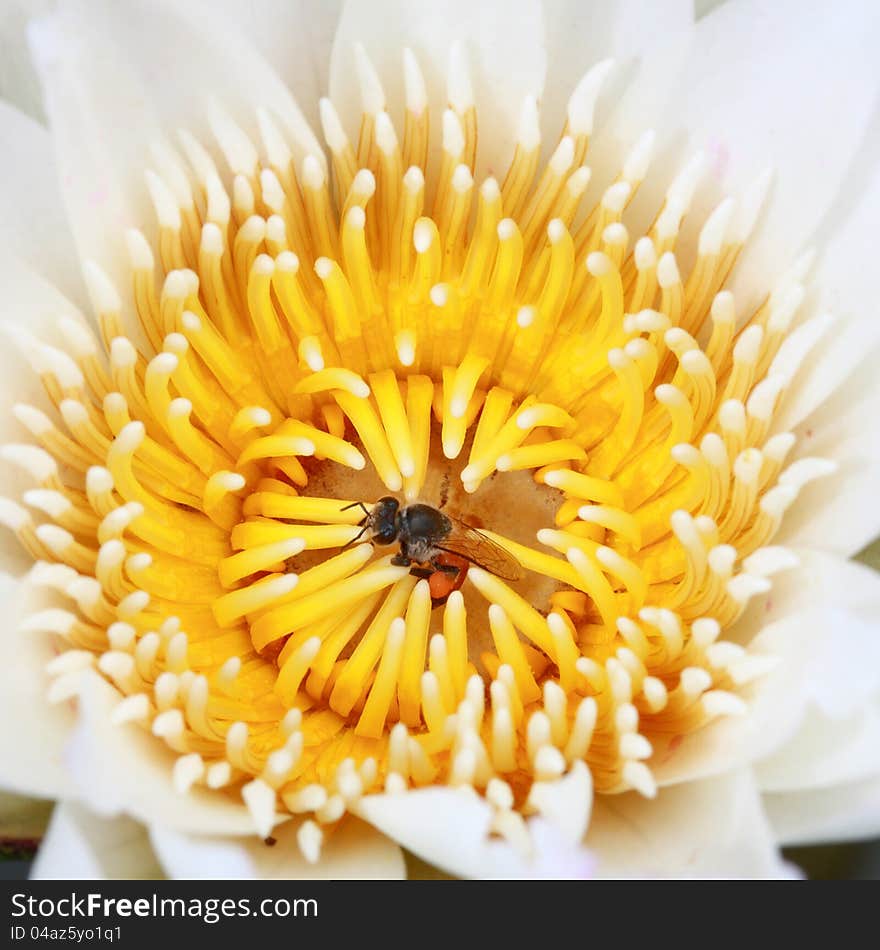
[499, 353]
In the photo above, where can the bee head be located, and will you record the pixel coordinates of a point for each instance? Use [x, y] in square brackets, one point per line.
[383, 520]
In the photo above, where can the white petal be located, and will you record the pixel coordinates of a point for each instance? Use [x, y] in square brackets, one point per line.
[118, 78]
[648, 42]
[34, 732]
[496, 35]
[834, 402]
[422, 821]
[122, 769]
[818, 583]
[838, 739]
[825, 752]
[101, 122]
[840, 600]
[212, 59]
[844, 672]
[30, 300]
[819, 621]
[555, 856]
[33, 222]
[31, 305]
[294, 37]
[752, 95]
[566, 803]
[18, 80]
[351, 850]
[776, 704]
[842, 812]
[713, 828]
[84, 847]
[839, 512]
[844, 286]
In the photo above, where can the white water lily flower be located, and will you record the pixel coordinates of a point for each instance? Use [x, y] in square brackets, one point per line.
[234, 310]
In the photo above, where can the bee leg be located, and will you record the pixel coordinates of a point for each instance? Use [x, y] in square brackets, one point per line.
[401, 560]
[423, 572]
[451, 569]
[357, 537]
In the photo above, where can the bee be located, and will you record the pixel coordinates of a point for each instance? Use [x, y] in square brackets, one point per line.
[432, 543]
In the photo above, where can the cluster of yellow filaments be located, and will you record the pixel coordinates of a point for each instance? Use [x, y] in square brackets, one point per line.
[315, 334]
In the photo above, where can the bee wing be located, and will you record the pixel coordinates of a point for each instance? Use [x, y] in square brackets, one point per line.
[475, 547]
